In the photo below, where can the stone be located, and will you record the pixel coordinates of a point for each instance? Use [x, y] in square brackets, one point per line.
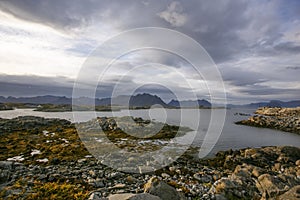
[144, 196]
[270, 186]
[99, 184]
[130, 196]
[131, 179]
[224, 184]
[5, 176]
[95, 196]
[6, 165]
[292, 194]
[220, 197]
[257, 171]
[55, 161]
[119, 186]
[161, 189]
[242, 171]
[120, 196]
[165, 175]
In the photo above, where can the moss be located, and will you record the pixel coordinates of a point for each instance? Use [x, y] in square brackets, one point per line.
[58, 191]
[23, 142]
[50, 190]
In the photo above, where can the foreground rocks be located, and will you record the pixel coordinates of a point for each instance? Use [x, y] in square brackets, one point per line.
[56, 165]
[284, 119]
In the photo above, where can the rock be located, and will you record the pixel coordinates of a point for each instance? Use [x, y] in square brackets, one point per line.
[293, 153]
[130, 196]
[55, 161]
[99, 184]
[120, 196]
[6, 165]
[292, 194]
[131, 179]
[285, 119]
[119, 186]
[144, 196]
[224, 185]
[162, 190]
[243, 171]
[96, 196]
[165, 175]
[257, 171]
[5, 176]
[220, 197]
[270, 186]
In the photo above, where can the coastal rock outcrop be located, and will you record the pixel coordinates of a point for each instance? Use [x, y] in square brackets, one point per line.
[284, 119]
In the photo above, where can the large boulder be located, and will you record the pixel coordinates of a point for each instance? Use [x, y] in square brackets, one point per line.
[271, 186]
[130, 196]
[292, 194]
[161, 189]
[239, 185]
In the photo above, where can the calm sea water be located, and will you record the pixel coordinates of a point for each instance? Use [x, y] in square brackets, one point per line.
[232, 136]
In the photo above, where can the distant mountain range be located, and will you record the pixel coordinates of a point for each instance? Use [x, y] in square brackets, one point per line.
[272, 103]
[139, 100]
[190, 103]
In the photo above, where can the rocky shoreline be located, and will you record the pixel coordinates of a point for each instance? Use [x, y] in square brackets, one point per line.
[284, 119]
[45, 159]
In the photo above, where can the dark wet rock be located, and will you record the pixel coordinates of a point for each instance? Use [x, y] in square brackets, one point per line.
[55, 161]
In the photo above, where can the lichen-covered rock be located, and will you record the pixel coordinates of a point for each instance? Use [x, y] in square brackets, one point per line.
[271, 186]
[284, 119]
[292, 194]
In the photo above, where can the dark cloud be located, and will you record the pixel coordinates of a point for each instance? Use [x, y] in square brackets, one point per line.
[293, 67]
[263, 90]
[288, 47]
[214, 24]
[241, 77]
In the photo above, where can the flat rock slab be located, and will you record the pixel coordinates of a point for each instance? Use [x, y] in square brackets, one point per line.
[130, 196]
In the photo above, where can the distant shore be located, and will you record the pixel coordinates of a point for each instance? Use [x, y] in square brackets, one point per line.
[70, 108]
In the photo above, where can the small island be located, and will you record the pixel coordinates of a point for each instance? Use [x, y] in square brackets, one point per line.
[284, 119]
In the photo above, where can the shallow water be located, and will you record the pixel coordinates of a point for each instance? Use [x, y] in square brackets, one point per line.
[232, 136]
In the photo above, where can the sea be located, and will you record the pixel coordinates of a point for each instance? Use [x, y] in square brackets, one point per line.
[227, 136]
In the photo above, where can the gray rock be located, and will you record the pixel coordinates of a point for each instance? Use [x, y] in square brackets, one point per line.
[5, 176]
[144, 196]
[6, 165]
[162, 190]
[130, 196]
[96, 196]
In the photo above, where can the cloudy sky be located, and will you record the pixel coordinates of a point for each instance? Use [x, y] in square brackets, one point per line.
[254, 44]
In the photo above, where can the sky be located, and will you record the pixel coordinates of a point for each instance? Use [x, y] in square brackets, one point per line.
[255, 45]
